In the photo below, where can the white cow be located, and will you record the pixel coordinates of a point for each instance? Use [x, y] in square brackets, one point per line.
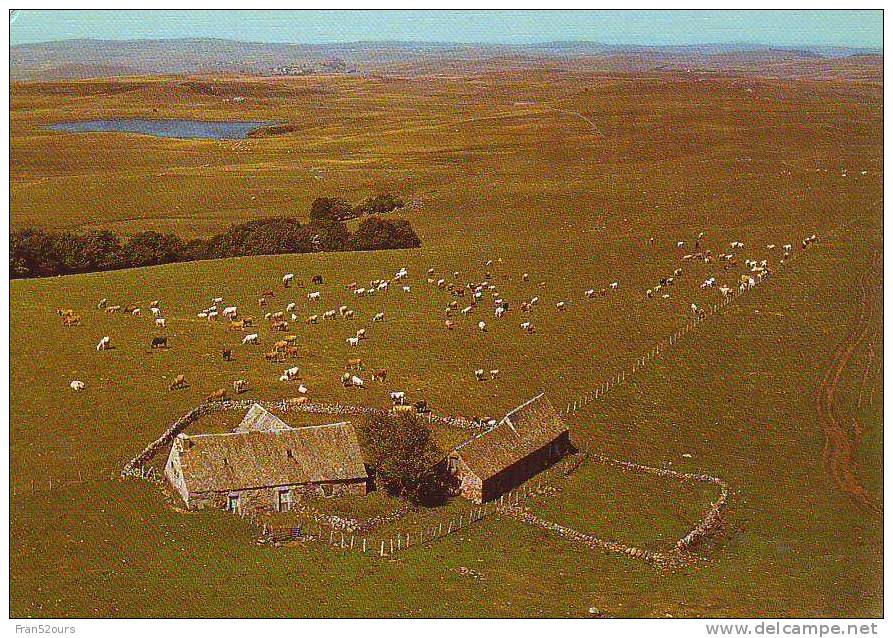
[313, 296]
[353, 341]
[499, 312]
[156, 311]
[77, 385]
[356, 381]
[136, 312]
[230, 311]
[160, 322]
[290, 307]
[398, 398]
[482, 326]
[286, 279]
[103, 344]
[379, 316]
[614, 285]
[405, 288]
[252, 338]
[479, 374]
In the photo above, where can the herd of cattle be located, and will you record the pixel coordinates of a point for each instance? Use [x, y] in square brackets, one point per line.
[471, 301]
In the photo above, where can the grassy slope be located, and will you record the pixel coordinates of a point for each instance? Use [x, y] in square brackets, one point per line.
[737, 395]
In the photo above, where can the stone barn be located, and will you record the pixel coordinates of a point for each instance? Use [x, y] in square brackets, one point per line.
[526, 441]
[266, 464]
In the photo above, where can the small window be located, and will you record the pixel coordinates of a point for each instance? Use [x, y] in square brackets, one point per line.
[232, 503]
[284, 503]
[326, 489]
[453, 465]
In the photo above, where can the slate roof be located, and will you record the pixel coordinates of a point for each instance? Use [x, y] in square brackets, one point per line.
[259, 418]
[236, 461]
[526, 429]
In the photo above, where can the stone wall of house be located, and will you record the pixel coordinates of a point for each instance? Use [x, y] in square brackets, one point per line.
[267, 498]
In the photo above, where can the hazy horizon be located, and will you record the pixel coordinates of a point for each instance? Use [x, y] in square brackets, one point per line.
[785, 29]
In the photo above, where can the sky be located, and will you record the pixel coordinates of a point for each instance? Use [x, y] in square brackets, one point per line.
[639, 27]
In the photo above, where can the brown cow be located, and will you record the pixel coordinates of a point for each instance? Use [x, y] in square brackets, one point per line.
[71, 320]
[380, 375]
[237, 325]
[274, 357]
[216, 395]
[279, 326]
[178, 383]
[293, 401]
[280, 345]
[449, 324]
[291, 351]
[354, 364]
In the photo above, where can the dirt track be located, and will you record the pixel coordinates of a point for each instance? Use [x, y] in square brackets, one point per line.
[840, 443]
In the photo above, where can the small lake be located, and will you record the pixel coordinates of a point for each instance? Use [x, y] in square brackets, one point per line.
[183, 129]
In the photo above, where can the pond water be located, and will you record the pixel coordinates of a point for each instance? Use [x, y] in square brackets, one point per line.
[183, 129]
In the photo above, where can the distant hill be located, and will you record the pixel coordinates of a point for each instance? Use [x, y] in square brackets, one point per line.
[73, 59]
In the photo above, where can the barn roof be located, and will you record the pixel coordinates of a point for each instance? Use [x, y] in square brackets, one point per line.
[524, 430]
[259, 418]
[244, 460]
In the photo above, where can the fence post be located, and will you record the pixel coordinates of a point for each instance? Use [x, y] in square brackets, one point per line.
[440, 529]
[392, 546]
[364, 545]
[382, 548]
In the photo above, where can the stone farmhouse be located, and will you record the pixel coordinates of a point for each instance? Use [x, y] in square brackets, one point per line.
[526, 441]
[265, 464]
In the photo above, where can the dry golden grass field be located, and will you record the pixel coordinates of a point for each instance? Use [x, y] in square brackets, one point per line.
[564, 176]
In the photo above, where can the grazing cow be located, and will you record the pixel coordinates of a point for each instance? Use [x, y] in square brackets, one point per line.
[354, 364]
[313, 296]
[479, 374]
[694, 308]
[296, 401]
[279, 326]
[421, 406]
[136, 312]
[398, 398]
[345, 379]
[104, 344]
[290, 373]
[156, 311]
[534, 301]
[230, 311]
[71, 320]
[274, 356]
[292, 352]
[328, 314]
[280, 345]
[312, 318]
[380, 375]
[560, 305]
[160, 322]
[613, 285]
[216, 395]
[159, 342]
[403, 409]
[212, 316]
[227, 354]
[360, 291]
[466, 310]
[353, 341]
[253, 338]
[276, 316]
[342, 310]
[482, 326]
[102, 303]
[178, 383]
[649, 293]
[262, 301]
[406, 289]
[361, 333]
[112, 309]
[240, 386]
[303, 390]
[590, 293]
[499, 311]
[348, 314]
[527, 327]
[286, 279]
[356, 381]
[449, 324]
[317, 280]
[525, 277]
[237, 325]
[379, 316]
[290, 307]
[77, 385]
[494, 374]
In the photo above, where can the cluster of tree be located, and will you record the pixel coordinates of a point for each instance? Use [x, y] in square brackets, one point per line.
[34, 252]
[406, 459]
[338, 209]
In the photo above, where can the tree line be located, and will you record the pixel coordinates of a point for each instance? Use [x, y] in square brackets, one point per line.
[35, 252]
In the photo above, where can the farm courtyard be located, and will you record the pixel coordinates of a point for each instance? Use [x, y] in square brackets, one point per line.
[566, 177]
